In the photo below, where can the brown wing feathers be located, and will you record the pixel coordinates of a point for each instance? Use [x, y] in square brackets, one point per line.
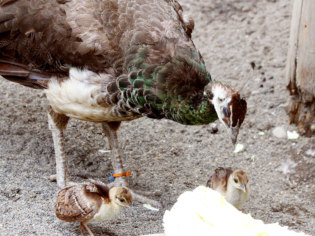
[25, 42]
[100, 188]
[47, 35]
[19, 73]
[80, 202]
[71, 207]
[37, 32]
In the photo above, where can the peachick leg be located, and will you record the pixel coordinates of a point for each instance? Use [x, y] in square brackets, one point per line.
[110, 130]
[87, 228]
[57, 123]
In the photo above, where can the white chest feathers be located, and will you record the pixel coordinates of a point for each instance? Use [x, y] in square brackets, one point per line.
[236, 196]
[76, 96]
[107, 211]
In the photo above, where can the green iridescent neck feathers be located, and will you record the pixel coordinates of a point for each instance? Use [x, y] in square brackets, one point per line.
[174, 90]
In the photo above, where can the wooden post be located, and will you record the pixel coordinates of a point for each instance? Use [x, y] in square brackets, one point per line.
[301, 67]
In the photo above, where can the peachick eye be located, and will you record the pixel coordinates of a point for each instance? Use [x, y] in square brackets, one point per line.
[235, 180]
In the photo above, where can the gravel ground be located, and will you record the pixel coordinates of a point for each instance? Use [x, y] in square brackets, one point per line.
[233, 36]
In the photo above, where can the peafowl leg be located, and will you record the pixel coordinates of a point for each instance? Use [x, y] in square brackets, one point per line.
[110, 130]
[57, 123]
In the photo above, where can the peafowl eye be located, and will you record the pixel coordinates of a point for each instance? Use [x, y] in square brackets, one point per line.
[225, 111]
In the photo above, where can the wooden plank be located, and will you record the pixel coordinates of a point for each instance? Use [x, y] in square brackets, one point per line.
[293, 44]
[300, 71]
[305, 71]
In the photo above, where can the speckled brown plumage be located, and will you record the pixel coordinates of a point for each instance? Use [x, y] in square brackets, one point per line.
[92, 34]
[220, 178]
[90, 201]
[80, 202]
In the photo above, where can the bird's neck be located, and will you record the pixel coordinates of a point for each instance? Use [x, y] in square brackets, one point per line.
[234, 195]
[188, 112]
[172, 89]
[108, 210]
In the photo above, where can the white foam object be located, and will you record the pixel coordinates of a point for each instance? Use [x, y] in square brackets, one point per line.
[204, 212]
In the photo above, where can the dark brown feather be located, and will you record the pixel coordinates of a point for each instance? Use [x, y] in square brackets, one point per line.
[19, 73]
[220, 178]
[5, 2]
[190, 24]
[239, 107]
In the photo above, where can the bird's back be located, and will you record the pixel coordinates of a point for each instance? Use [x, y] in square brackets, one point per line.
[219, 180]
[79, 203]
[98, 35]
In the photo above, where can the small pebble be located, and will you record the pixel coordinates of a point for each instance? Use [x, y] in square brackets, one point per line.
[252, 64]
[239, 148]
[104, 151]
[279, 132]
[213, 128]
[52, 178]
[310, 152]
[293, 135]
[148, 206]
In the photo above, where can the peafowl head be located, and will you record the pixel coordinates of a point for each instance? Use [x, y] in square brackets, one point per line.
[229, 106]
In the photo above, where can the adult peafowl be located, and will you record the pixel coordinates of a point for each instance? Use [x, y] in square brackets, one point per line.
[109, 61]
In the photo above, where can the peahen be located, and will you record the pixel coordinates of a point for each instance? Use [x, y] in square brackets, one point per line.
[109, 61]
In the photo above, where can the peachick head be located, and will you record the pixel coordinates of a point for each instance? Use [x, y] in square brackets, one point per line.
[239, 180]
[121, 196]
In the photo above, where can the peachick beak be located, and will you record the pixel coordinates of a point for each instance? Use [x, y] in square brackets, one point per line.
[234, 133]
[244, 188]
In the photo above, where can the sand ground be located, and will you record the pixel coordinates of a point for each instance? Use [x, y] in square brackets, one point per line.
[232, 35]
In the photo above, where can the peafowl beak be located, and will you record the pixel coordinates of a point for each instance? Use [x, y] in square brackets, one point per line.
[233, 133]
